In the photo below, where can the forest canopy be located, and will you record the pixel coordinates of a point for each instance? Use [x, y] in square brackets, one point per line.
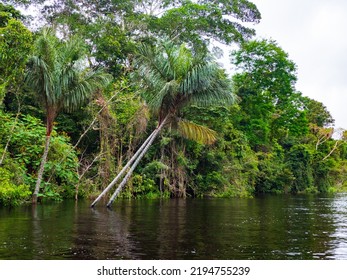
[83, 84]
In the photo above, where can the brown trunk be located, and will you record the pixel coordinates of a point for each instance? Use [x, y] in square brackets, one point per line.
[50, 117]
[42, 167]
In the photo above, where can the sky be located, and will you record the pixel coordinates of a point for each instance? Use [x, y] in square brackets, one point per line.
[313, 33]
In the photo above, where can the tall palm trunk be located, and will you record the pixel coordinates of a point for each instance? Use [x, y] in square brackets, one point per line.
[42, 168]
[144, 151]
[56, 74]
[50, 115]
[120, 174]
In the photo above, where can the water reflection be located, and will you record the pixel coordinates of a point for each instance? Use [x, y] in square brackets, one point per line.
[339, 241]
[269, 227]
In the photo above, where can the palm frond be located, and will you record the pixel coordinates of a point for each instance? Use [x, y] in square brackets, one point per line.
[184, 61]
[46, 47]
[167, 59]
[58, 74]
[198, 78]
[152, 61]
[81, 86]
[72, 52]
[40, 78]
[195, 132]
[170, 77]
[218, 92]
[42, 65]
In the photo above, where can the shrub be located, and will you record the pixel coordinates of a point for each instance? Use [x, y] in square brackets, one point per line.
[11, 194]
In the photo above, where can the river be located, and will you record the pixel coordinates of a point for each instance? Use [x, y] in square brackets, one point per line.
[268, 227]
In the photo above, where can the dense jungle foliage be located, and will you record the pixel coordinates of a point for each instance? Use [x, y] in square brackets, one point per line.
[76, 102]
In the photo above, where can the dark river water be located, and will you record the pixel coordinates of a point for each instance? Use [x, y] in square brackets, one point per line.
[269, 227]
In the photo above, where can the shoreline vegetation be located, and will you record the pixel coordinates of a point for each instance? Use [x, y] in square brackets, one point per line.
[81, 91]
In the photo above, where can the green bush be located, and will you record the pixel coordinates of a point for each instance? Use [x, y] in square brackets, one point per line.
[24, 156]
[11, 194]
[143, 186]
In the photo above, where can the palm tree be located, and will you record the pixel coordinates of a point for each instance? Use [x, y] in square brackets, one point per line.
[57, 73]
[170, 78]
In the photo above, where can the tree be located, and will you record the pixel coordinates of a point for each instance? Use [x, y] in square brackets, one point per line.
[317, 113]
[8, 12]
[197, 22]
[171, 78]
[112, 27]
[15, 46]
[56, 72]
[272, 108]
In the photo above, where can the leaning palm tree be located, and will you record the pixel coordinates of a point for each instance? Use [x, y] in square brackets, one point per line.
[58, 75]
[171, 78]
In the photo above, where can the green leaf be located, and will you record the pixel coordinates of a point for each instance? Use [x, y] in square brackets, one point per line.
[195, 132]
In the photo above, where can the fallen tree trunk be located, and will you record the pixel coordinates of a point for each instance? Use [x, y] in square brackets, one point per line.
[143, 152]
[120, 174]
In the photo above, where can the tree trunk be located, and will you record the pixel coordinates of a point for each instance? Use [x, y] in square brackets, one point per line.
[42, 167]
[123, 169]
[144, 151]
[85, 132]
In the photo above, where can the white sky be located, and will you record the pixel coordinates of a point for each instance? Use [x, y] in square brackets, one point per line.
[313, 33]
